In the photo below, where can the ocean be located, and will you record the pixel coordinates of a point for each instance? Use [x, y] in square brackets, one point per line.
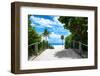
[56, 43]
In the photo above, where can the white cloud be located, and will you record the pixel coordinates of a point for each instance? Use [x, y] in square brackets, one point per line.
[32, 24]
[46, 22]
[55, 38]
[42, 21]
[50, 23]
[57, 21]
[53, 35]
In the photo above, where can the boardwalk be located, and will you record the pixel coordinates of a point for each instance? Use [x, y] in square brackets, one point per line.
[57, 53]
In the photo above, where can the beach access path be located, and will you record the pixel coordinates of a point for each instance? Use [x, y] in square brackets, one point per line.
[58, 53]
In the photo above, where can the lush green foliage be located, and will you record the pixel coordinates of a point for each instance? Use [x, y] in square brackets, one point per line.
[34, 40]
[68, 41]
[33, 36]
[46, 33]
[77, 27]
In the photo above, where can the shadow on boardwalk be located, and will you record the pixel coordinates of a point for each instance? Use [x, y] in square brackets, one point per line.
[67, 53]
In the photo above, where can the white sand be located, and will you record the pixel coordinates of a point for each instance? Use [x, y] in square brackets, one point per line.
[58, 47]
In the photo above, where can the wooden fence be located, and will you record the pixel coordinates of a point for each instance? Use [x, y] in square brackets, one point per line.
[80, 50]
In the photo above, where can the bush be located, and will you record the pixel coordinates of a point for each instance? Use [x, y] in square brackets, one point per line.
[50, 46]
[31, 50]
[68, 42]
[84, 48]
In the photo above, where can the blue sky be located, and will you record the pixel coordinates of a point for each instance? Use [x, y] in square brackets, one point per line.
[51, 23]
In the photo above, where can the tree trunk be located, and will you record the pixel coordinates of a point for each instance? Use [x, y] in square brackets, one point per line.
[62, 43]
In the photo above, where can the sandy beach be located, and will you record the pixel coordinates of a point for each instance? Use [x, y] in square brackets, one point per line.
[58, 46]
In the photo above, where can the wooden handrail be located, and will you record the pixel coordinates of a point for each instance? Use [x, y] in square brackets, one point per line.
[34, 43]
[80, 42]
[84, 44]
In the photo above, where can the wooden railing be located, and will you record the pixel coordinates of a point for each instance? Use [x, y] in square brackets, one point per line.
[80, 50]
[35, 47]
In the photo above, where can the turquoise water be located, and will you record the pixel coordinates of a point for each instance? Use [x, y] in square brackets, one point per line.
[56, 43]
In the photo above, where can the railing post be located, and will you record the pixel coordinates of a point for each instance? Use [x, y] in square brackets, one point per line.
[80, 47]
[36, 48]
[42, 46]
[73, 44]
